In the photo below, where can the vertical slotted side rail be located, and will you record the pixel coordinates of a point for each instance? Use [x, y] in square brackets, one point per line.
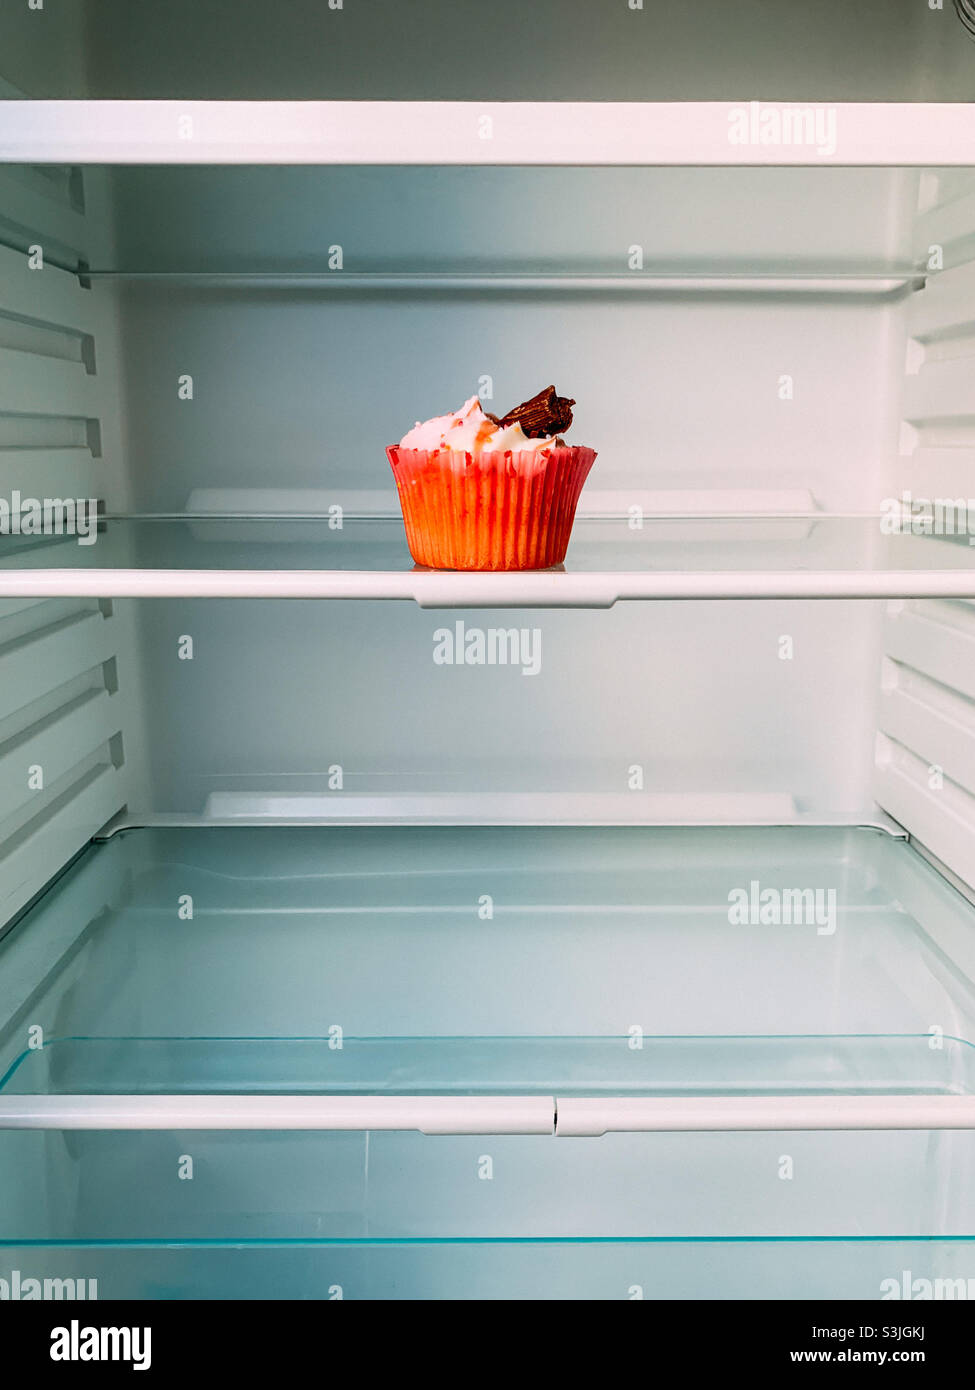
[925, 754]
[62, 751]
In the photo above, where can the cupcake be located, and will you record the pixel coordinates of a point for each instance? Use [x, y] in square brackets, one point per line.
[483, 493]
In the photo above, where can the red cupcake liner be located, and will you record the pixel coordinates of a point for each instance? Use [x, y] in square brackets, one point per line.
[489, 511]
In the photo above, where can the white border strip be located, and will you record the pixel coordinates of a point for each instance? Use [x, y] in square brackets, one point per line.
[633, 283]
[589, 1118]
[585, 811]
[469, 132]
[428, 1114]
[577, 1118]
[522, 589]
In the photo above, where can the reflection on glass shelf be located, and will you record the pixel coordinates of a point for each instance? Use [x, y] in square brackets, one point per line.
[608, 559]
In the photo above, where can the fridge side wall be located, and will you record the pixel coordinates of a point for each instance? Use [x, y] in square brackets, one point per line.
[925, 752]
[66, 702]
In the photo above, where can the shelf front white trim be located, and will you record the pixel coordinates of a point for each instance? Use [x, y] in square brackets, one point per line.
[456, 589]
[583, 809]
[743, 132]
[428, 1114]
[583, 1118]
[637, 282]
[576, 1118]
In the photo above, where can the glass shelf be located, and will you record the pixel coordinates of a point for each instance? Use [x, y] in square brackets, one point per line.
[815, 556]
[611, 965]
[677, 1067]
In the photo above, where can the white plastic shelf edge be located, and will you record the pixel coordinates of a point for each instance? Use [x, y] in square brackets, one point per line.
[428, 1114]
[590, 1118]
[743, 132]
[576, 1118]
[524, 589]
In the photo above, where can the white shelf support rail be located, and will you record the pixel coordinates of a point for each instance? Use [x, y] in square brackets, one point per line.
[458, 1115]
[583, 1118]
[428, 1114]
[522, 589]
[491, 133]
[895, 283]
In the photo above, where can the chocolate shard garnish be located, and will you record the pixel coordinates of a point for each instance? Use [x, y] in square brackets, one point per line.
[545, 414]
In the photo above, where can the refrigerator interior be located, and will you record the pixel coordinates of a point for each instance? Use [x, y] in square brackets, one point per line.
[765, 360]
[654, 877]
[638, 50]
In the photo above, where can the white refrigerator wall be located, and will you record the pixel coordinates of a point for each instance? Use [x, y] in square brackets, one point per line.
[685, 385]
[298, 385]
[658, 711]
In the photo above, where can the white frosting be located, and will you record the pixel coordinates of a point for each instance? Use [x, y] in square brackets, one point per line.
[468, 430]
